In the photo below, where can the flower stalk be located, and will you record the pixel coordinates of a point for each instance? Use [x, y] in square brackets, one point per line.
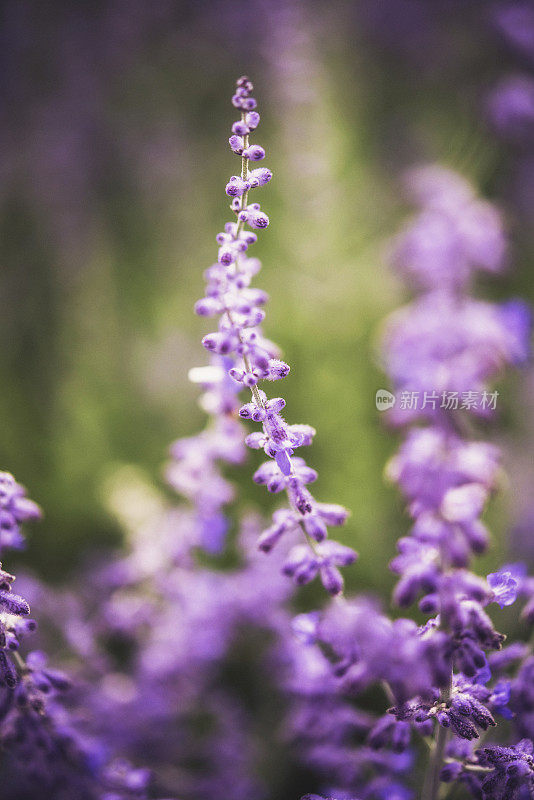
[254, 359]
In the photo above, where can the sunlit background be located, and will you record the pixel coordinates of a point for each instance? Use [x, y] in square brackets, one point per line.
[114, 124]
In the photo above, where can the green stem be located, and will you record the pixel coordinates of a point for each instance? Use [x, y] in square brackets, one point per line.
[244, 176]
[432, 781]
[19, 661]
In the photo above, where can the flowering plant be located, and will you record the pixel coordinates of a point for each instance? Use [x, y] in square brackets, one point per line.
[376, 706]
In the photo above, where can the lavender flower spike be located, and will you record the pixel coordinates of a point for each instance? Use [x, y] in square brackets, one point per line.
[239, 339]
[448, 345]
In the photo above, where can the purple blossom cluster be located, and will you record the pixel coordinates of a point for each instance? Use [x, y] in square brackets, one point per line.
[239, 337]
[447, 477]
[46, 750]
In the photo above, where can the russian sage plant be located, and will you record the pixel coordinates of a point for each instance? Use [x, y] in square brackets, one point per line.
[239, 339]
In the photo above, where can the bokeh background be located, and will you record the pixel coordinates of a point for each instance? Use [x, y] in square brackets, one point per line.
[114, 118]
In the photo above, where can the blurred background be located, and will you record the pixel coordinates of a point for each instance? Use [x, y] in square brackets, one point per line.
[113, 143]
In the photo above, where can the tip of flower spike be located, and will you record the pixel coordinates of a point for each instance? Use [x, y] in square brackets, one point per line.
[244, 81]
[241, 98]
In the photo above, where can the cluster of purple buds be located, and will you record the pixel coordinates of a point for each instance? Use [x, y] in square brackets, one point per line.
[15, 508]
[236, 186]
[496, 772]
[43, 745]
[445, 677]
[447, 481]
[239, 337]
[467, 710]
[242, 98]
[27, 682]
[228, 291]
[304, 564]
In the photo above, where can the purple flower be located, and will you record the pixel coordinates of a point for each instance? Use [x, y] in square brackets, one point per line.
[236, 187]
[269, 474]
[512, 769]
[464, 711]
[500, 697]
[505, 587]
[303, 563]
